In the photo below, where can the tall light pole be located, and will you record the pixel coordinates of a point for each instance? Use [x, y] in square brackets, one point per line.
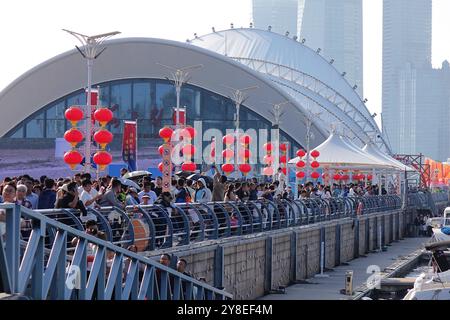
[309, 122]
[179, 76]
[238, 96]
[277, 112]
[92, 48]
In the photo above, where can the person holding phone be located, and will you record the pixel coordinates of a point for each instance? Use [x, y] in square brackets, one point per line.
[70, 198]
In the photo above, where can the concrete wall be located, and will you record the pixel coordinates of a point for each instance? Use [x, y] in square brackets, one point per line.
[250, 266]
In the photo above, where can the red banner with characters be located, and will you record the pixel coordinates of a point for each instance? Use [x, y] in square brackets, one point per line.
[129, 144]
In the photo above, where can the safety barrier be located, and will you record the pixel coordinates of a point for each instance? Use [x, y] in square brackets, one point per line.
[35, 259]
[156, 227]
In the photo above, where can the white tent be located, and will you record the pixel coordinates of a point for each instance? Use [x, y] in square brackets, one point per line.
[374, 151]
[336, 152]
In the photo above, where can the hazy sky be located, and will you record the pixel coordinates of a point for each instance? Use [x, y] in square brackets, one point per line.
[31, 30]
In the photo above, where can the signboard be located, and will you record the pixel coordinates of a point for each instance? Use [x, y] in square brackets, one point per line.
[129, 145]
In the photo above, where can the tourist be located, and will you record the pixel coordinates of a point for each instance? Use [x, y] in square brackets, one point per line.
[132, 198]
[219, 182]
[31, 196]
[123, 171]
[109, 199]
[243, 193]
[203, 194]
[47, 198]
[182, 195]
[89, 195]
[158, 186]
[70, 199]
[230, 196]
[253, 192]
[21, 193]
[147, 190]
[189, 188]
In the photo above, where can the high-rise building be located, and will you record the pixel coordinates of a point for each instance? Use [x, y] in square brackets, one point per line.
[336, 27]
[281, 15]
[406, 63]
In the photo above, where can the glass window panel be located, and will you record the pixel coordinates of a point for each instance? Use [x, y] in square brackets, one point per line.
[35, 127]
[18, 133]
[190, 98]
[77, 99]
[55, 128]
[142, 100]
[121, 100]
[56, 111]
[213, 107]
[104, 95]
[166, 99]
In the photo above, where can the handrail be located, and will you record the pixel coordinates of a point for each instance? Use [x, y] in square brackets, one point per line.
[97, 270]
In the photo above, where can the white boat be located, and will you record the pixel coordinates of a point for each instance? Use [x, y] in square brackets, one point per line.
[435, 284]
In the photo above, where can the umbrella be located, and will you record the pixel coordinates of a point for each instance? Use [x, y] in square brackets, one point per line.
[129, 183]
[136, 174]
[183, 174]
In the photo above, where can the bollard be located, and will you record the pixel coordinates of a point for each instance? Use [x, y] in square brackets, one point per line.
[349, 283]
[322, 261]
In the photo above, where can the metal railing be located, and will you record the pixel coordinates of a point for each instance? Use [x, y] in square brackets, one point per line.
[427, 200]
[155, 227]
[47, 255]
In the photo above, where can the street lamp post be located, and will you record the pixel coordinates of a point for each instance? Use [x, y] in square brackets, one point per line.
[92, 48]
[277, 113]
[179, 76]
[238, 96]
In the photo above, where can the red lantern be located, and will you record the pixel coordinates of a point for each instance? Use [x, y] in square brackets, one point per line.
[268, 147]
[188, 166]
[245, 168]
[188, 150]
[337, 177]
[315, 175]
[74, 114]
[103, 116]
[345, 177]
[268, 159]
[362, 176]
[357, 177]
[73, 136]
[245, 139]
[103, 137]
[284, 170]
[283, 147]
[227, 154]
[268, 171]
[213, 153]
[301, 153]
[301, 164]
[283, 159]
[161, 150]
[245, 154]
[189, 133]
[227, 168]
[166, 134]
[315, 164]
[102, 159]
[300, 175]
[315, 154]
[228, 139]
[73, 158]
[160, 166]
[369, 177]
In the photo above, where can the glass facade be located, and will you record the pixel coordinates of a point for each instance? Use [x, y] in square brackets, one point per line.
[150, 102]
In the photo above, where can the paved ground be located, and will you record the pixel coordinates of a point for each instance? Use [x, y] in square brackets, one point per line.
[329, 288]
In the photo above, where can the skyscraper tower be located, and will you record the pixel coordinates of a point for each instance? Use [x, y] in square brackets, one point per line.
[281, 15]
[337, 28]
[406, 54]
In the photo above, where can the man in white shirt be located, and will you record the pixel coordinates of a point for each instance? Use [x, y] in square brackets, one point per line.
[89, 195]
[149, 192]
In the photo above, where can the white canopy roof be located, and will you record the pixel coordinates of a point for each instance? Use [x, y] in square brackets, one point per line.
[374, 151]
[337, 151]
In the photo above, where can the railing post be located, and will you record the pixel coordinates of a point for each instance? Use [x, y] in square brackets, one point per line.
[13, 245]
[268, 265]
[337, 246]
[293, 256]
[219, 267]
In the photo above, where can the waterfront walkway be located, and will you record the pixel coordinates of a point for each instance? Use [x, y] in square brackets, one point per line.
[329, 288]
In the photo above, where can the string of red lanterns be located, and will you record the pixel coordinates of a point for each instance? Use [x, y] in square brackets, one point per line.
[228, 154]
[73, 136]
[245, 155]
[103, 137]
[268, 159]
[188, 149]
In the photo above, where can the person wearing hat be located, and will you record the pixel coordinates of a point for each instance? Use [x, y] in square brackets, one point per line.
[70, 198]
[132, 198]
[145, 200]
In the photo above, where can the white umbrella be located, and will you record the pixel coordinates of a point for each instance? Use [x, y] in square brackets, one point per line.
[136, 174]
[129, 183]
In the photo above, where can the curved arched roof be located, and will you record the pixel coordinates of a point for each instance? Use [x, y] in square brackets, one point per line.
[275, 54]
[138, 58]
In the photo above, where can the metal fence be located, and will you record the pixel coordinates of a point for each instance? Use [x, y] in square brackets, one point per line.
[156, 227]
[426, 200]
[47, 255]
